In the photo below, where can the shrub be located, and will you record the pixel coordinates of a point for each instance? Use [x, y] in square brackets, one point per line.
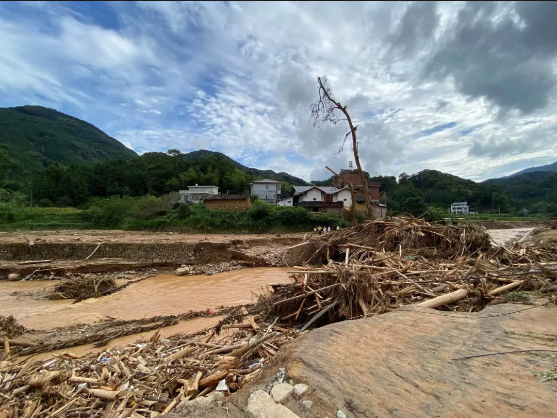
[259, 210]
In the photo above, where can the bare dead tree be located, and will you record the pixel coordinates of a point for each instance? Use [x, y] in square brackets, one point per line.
[323, 111]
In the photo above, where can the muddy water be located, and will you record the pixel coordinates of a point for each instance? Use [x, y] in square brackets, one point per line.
[165, 294]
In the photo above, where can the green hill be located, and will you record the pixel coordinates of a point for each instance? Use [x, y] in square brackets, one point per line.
[260, 174]
[32, 137]
[549, 167]
[534, 191]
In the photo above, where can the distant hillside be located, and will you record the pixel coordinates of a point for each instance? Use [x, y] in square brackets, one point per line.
[32, 137]
[270, 174]
[548, 167]
[535, 191]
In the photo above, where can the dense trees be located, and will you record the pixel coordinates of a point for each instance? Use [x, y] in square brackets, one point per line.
[153, 173]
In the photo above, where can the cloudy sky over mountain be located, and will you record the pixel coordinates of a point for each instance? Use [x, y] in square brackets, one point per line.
[467, 88]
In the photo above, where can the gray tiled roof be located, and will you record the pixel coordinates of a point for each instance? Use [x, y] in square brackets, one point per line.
[266, 181]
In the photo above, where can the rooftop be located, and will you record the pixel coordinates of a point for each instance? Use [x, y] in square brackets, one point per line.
[266, 181]
[324, 189]
[227, 197]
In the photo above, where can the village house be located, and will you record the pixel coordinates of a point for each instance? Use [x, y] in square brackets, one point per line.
[227, 202]
[196, 194]
[327, 199]
[267, 190]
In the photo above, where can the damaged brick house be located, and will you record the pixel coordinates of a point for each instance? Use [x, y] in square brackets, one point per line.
[335, 199]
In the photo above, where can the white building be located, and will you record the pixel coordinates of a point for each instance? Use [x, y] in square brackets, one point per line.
[460, 208]
[267, 190]
[286, 202]
[196, 194]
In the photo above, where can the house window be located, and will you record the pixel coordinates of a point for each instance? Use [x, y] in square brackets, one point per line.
[314, 198]
[342, 185]
[267, 187]
[345, 200]
[360, 199]
[290, 201]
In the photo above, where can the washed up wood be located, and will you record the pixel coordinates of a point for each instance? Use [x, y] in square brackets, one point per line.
[389, 263]
[145, 378]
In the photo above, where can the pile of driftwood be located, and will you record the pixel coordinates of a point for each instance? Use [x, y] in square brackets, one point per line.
[83, 288]
[390, 263]
[9, 327]
[141, 379]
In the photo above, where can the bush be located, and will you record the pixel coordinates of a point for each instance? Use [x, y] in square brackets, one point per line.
[183, 211]
[259, 210]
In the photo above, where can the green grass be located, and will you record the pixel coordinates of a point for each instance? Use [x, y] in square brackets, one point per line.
[40, 218]
[150, 213]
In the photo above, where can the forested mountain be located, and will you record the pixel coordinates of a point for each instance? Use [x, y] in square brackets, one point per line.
[548, 167]
[32, 137]
[534, 191]
[152, 173]
[260, 174]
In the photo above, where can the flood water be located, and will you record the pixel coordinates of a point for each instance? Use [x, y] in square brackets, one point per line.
[164, 294]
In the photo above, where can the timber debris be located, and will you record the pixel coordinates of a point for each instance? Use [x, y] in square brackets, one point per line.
[386, 264]
[142, 379]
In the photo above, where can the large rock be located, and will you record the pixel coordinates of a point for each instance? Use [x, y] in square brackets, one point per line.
[282, 392]
[300, 389]
[182, 271]
[261, 405]
[13, 277]
[401, 364]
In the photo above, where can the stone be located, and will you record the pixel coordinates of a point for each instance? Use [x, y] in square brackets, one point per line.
[300, 389]
[182, 271]
[282, 392]
[204, 403]
[261, 405]
[307, 404]
[13, 277]
[341, 414]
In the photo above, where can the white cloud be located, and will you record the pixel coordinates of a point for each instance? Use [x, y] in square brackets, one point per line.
[239, 78]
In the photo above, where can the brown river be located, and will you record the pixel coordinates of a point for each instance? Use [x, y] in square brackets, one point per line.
[164, 294]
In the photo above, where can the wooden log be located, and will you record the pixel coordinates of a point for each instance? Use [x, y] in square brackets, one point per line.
[226, 326]
[34, 262]
[249, 318]
[213, 379]
[505, 288]
[6, 347]
[20, 390]
[181, 353]
[347, 256]
[227, 363]
[251, 376]
[16, 343]
[362, 305]
[79, 379]
[444, 299]
[109, 395]
[94, 251]
[306, 294]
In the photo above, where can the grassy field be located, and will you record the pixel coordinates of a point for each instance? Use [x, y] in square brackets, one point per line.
[40, 218]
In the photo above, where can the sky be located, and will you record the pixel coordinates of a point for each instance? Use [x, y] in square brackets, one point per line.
[466, 88]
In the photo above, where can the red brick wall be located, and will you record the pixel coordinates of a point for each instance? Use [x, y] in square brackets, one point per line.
[354, 178]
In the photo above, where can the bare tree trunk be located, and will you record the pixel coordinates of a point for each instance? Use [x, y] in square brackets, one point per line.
[352, 132]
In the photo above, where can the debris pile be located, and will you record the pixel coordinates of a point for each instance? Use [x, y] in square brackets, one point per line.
[83, 288]
[141, 379]
[9, 327]
[390, 263]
